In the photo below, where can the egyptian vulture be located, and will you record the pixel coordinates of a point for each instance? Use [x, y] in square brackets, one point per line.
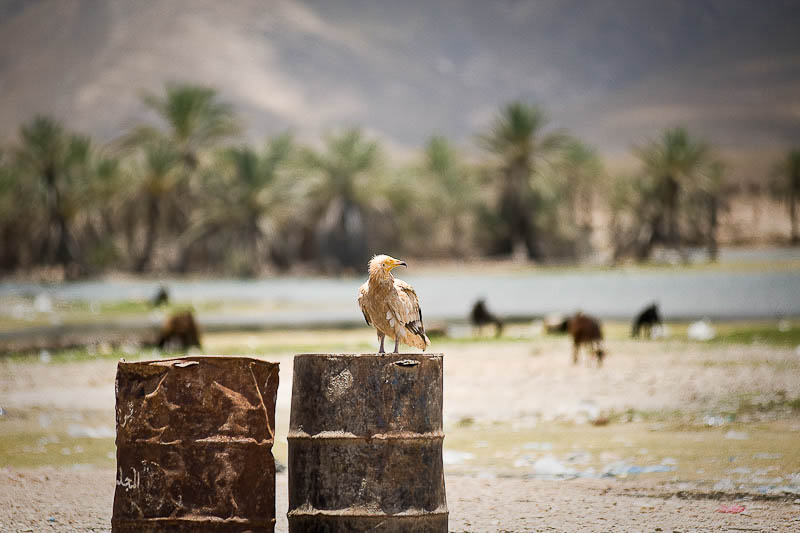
[391, 306]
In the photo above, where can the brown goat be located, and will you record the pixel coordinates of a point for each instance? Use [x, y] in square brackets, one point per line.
[586, 330]
[179, 330]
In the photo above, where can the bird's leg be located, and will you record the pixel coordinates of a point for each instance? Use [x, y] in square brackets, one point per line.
[381, 336]
[396, 344]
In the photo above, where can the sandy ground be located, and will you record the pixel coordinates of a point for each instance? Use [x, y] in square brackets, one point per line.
[80, 501]
[514, 395]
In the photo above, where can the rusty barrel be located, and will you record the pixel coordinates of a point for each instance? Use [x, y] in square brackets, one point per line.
[365, 444]
[194, 445]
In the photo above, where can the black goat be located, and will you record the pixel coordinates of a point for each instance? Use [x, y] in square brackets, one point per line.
[480, 316]
[645, 321]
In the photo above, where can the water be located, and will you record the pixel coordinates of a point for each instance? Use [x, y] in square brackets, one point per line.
[609, 294]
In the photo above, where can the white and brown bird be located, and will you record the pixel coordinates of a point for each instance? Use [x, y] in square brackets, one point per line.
[391, 306]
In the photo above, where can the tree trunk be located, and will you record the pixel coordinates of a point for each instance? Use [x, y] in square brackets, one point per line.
[516, 212]
[713, 208]
[671, 211]
[63, 256]
[151, 234]
[793, 216]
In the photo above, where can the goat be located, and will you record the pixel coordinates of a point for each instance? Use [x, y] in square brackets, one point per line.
[645, 321]
[179, 330]
[480, 316]
[586, 330]
[160, 298]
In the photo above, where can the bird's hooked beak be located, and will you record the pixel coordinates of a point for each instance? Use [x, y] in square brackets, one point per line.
[396, 263]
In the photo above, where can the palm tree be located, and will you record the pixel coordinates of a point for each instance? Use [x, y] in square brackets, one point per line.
[250, 202]
[709, 191]
[582, 170]
[159, 172]
[15, 203]
[60, 163]
[671, 164]
[95, 227]
[786, 186]
[451, 192]
[341, 196]
[193, 120]
[566, 193]
[516, 137]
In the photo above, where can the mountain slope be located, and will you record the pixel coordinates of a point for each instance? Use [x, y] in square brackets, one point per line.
[613, 72]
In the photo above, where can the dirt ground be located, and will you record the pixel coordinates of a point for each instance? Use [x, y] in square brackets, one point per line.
[80, 501]
[661, 438]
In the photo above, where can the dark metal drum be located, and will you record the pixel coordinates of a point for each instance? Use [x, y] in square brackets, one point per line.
[365, 444]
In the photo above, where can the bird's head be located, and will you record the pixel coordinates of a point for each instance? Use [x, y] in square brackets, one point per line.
[381, 265]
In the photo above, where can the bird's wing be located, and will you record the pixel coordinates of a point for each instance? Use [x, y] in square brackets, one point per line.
[406, 308]
[362, 302]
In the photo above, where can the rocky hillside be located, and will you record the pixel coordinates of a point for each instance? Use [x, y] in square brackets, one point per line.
[610, 71]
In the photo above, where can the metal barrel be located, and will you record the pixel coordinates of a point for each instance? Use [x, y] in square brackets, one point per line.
[365, 444]
[194, 446]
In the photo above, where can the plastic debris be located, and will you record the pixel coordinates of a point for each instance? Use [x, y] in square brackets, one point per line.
[43, 303]
[736, 435]
[702, 330]
[733, 509]
[724, 485]
[45, 357]
[713, 421]
[542, 446]
[764, 455]
[549, 466]
[455, 457]
[101, 432]
[622, 469]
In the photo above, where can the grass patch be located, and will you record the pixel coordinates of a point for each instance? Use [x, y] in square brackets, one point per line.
[39, 437]
[757, 451]
[74, 355]
[770, 334]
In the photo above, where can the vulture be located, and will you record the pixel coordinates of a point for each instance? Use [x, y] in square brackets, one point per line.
[391, 306]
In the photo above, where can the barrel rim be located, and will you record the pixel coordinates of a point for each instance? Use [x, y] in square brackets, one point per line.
[299, 434]
[387, 356]
[200, 358]
[194, 519]
[363, 513]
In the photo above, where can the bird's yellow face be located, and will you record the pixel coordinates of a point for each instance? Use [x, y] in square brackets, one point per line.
[390, 262]
[383, 264]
